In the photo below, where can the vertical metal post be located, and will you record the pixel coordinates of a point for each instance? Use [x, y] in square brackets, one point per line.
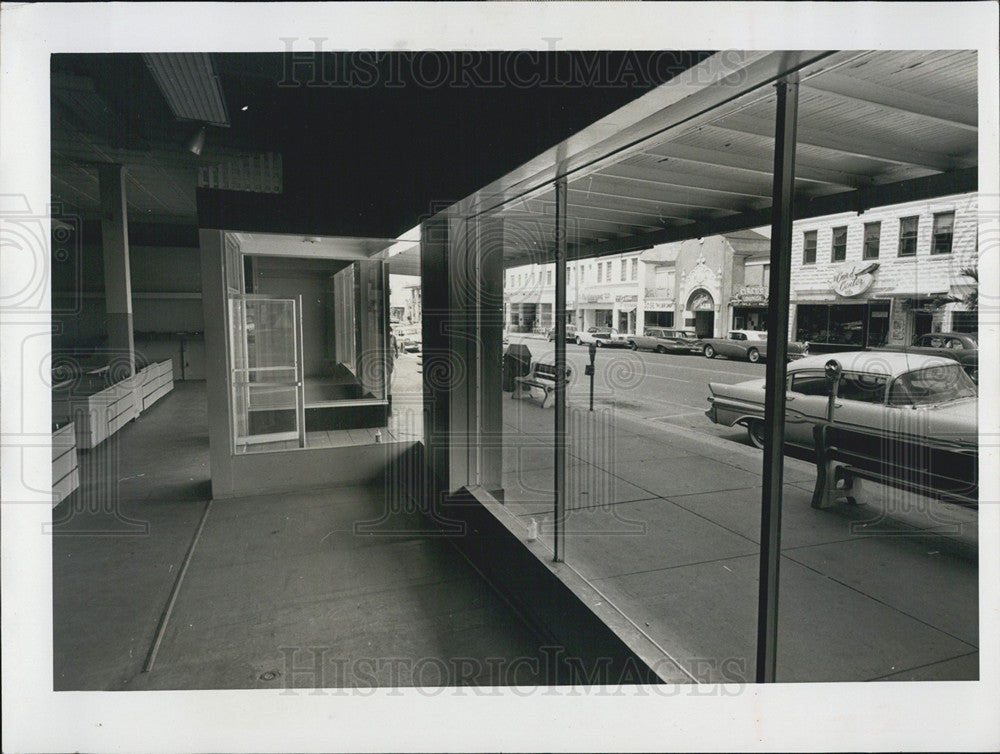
[300, 372]
[559, 482]
[774, 396]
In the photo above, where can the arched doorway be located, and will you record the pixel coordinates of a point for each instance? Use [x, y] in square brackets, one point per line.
[702, 305]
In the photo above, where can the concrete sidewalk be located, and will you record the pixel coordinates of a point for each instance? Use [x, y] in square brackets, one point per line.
[665, 522]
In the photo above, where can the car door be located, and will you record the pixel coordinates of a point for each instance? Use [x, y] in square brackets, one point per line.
[735, 346]
[806, 403]
[859, 408]
[648, 339]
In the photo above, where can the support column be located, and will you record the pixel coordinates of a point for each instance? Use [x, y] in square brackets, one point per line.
[783, 191]
[450, 352]
[490, 327]
[117, 278]
[559, 482]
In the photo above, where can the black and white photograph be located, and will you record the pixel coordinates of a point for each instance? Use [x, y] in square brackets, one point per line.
[500, 376]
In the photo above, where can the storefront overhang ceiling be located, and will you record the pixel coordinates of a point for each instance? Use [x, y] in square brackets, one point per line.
[403, 256]
[694, 157]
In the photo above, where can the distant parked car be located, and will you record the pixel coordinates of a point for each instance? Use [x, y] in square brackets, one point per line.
[960, 346]
[665, 340]
[891, 394]
[747, 344]
[603, 337]
[570, 333]
[408, 337]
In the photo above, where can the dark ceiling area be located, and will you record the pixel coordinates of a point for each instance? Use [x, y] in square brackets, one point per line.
[371, 143]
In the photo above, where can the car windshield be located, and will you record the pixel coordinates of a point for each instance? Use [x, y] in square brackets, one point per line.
[938, 384]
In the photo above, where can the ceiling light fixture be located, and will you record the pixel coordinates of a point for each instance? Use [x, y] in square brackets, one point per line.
[197, 141]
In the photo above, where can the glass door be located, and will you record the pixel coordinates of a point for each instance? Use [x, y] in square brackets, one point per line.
[267, 373]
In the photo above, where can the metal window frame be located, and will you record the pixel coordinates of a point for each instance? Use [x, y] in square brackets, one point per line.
[950, 234]
[865, 239]
[904, 239]
[834, 245]
[805, 246]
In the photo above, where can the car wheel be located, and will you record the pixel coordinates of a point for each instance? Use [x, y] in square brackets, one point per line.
[579, 342]
[661, 349]
[709, 352]
[597, 343]
[755, 433]
[753, 355]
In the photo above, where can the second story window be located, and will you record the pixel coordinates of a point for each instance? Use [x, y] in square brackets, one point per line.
[548, 277]
[809, 247]
[766, 277]
[622, 274]
[635, 269]
[908, 236]
[838, 251]
[944, 232]
[600, 268]
[873, 233]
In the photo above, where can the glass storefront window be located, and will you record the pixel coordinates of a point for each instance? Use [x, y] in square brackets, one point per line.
[847, 324]
[811, 323]
[858, 325]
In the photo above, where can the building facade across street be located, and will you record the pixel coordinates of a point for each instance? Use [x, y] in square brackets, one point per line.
[880, 277]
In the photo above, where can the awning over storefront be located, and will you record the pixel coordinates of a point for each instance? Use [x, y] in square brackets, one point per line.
[917, 291]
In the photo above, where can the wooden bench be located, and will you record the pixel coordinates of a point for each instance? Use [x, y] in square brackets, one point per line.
[542, 376]
[844, 457]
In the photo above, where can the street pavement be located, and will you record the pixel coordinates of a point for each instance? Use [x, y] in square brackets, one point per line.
[663, 519]
[667, 388]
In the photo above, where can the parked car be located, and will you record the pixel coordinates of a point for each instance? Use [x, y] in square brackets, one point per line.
[407, 337]
[893, 394]
[960, 346]
[747, 344]
[602, 337]
[570, 333]
[665, 340]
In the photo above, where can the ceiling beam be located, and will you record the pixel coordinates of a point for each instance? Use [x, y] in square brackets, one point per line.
[929, 187]
[596, 211]
[759, 165]
[650, 178]
[845, 140]
[625, 195]
[664, 176]
[889, 98]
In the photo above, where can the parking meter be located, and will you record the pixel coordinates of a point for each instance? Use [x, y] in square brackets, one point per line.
[832, 369]
[589, 371]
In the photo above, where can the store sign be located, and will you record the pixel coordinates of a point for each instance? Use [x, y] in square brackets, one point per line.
[599, 298]
[853, 279]
[628, 298]
[658, 305]
[750, 295]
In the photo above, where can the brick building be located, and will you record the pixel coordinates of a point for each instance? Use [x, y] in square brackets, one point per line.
[884, 275]
[878, 277]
